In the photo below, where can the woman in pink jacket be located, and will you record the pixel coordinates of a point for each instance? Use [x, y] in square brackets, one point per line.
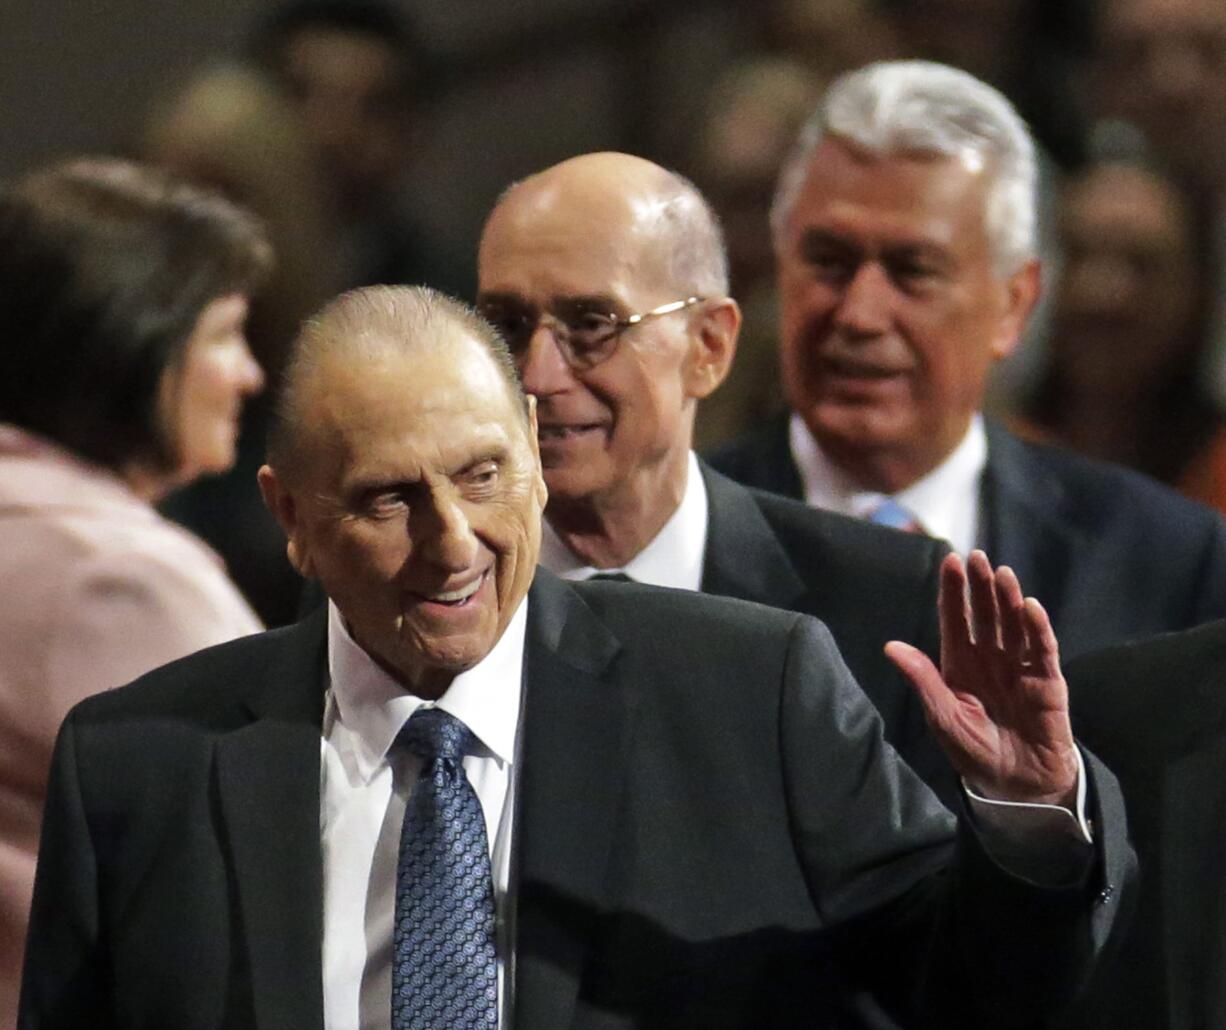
[123, 368]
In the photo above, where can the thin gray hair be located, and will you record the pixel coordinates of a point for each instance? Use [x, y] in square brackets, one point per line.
[364, 326]
[925, 108]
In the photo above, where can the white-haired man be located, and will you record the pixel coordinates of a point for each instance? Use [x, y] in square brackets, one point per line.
[904, 233]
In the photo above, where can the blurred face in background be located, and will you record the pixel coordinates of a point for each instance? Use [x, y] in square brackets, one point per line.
[1162, 66]
[1127, 298]
[892, 309]
[201, 396]
[978, 36]
[348, 87]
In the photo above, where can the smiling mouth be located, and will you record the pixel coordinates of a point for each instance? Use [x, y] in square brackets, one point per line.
[460, 596]
[843, 368]
[565, 432]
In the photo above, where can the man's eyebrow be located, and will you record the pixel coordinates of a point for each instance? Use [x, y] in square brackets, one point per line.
[603, 302]
[813, 237]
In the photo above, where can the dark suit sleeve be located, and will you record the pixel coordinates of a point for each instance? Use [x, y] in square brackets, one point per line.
[1210, 597]
[63, 980]
[931, 928]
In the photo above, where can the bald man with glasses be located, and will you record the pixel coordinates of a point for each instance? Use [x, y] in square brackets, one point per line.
[607, 277]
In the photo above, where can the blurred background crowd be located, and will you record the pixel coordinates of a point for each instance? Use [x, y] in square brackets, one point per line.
[373, 138]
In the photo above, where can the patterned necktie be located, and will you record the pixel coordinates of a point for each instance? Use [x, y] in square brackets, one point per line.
[445, 969]
[890, 513]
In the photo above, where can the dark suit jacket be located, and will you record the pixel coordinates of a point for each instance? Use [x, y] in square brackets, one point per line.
[868, 584]
[710, 833]
[1112, 555]
[1156, 713]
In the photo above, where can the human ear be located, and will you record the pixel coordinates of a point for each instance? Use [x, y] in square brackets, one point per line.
[1022, 290]
[281, 502]
[712, 346]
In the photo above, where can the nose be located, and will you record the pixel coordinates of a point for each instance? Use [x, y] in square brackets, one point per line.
[542, 368]
[864, 307]
[442, 533]
[248, 373]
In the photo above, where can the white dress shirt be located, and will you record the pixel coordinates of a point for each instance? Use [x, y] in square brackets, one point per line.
[946, 502]
[363, 792]
[674, 556]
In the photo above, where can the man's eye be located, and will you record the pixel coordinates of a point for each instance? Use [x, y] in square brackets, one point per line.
[828, 264]
[913, 273]
[385, 504]
[589, 328]
[485, 474]
[512, 326]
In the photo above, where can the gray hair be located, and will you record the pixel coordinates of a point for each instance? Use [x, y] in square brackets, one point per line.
[364, 326]
[921, 107]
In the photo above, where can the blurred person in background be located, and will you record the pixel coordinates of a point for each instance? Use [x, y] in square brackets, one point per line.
[907, 269]
[1124, 375]
[1159, 72]
[232, 129]
[123, 295]
[830, 37]
[357, 75]
[753, 113]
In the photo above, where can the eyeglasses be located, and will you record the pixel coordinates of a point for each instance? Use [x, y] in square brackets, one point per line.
[584, 337]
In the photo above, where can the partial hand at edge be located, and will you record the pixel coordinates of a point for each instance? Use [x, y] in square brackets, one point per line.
[999, 705]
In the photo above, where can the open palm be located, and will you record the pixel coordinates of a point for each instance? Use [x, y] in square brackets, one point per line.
[999, 705]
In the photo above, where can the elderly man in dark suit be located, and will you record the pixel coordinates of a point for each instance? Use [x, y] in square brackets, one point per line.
[904, 233]
[608, 278]
[467, 794]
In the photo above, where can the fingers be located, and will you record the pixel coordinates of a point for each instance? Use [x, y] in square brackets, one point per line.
[938, 700]
[953, 610]
[985, 614]
[1011, 604]
[1043, 639]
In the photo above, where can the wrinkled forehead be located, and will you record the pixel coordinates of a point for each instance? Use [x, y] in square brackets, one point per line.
[431, 392]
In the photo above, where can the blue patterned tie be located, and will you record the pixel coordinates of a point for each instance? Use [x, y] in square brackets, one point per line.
[890, 513]
[445, 970]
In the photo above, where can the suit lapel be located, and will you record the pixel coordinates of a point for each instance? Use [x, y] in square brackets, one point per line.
[1194, 853]
[1022, 526]
[268, 784]
[571, 761]
[744, 558]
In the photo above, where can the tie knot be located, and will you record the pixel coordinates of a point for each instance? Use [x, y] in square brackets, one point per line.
[432, 733]
[611, 577]
[890, 513]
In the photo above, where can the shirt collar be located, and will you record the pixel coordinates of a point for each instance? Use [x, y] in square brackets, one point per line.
[945, 501]
[673, 558]
[374, 706]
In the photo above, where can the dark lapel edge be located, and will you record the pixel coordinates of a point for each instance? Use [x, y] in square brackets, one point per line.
[744, 558]
[572, 762]
[1194, 886]
[268, 784]
[1022, 523]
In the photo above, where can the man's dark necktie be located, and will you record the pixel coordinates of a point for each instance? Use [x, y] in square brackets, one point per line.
[611, 577]
[444, 967]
